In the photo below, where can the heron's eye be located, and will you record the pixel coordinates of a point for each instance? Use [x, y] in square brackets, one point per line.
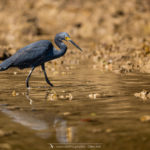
[67, 38]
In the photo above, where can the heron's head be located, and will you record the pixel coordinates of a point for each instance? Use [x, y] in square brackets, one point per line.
[65, 36]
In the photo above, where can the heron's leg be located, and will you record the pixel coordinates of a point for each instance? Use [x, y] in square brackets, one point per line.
[27, 80]
[46, 78]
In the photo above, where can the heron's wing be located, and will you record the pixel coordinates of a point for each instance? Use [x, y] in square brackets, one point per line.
[32, 54]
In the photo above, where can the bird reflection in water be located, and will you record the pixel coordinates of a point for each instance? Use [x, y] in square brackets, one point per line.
[28, 96]
[43, 128]
[49, 95]
[64, 134]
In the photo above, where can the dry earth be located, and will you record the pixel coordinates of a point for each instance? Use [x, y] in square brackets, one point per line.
[115, 35]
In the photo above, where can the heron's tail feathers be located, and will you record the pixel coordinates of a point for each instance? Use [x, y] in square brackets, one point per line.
[5, 64]
[2, 69]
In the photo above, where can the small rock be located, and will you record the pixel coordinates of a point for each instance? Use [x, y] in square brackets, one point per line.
[66, 113]
[15, 73]
[108, 130]
[69, 96]
[62, 97]
[145, 118]
[144, 94]
[52, 97]
[14, 93]
[94, 95]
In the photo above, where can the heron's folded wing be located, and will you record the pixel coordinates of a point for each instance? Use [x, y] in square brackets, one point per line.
[32, 53]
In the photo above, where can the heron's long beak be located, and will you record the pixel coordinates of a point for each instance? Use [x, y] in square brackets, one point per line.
[75, 45]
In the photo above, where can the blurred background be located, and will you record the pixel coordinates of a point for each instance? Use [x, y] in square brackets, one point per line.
[113, 34]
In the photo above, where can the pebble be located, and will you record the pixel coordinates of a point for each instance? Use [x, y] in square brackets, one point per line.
[62, 97]
[14, 93]
[145, 118]
[52, 97]
[108, 130]
[94, 95]
[66, 96]
[66, 113]
[69, 96]
[144, 94]
[15, 73]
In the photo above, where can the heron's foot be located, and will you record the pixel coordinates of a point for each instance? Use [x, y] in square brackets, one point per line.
[51, 85]
[28, 87]
[48, 82]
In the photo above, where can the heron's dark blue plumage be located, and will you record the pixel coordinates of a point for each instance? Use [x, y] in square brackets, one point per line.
[37, 54]
[33, 55]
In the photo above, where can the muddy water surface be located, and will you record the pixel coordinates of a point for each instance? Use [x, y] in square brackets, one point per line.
[85, 106]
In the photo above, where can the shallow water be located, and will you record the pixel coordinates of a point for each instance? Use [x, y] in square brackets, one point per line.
[86, 108]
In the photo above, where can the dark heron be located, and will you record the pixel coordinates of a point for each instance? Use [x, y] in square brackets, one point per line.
[36, 54]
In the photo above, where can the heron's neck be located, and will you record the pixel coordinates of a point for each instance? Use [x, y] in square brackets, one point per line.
[62, 46]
